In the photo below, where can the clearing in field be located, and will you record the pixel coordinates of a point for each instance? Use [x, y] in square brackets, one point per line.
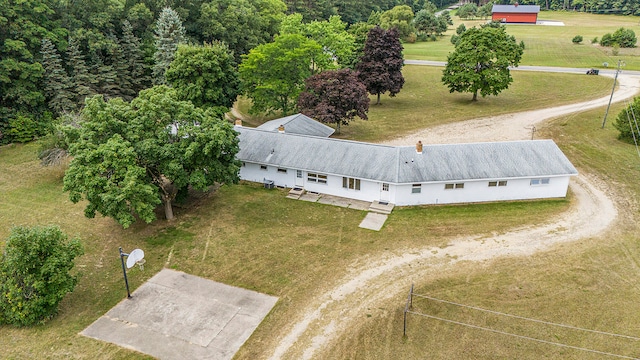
[179, 316]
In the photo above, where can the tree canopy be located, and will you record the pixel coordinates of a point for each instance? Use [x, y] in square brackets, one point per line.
[481, 60]
[334, 97]
[380, 67]
[627, 124]
[400, 18]
[331, 34]
[273, 74]
[205, 75]
[169, 34]
[130, 157]
[34, 274]
[241, 24]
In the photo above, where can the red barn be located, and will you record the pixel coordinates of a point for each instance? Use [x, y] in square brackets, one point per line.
[515, 13]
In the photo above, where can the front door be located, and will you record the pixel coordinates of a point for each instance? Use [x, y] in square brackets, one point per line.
[299, 179]
[384, 192]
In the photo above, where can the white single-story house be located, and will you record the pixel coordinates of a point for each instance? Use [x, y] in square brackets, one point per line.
[405, 175]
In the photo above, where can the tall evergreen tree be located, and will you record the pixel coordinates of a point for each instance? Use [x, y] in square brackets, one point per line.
[106, 79]
[124, 79]
[169, 33]
[81, 80]
[133, 54]
[57, 81]
[380, 66]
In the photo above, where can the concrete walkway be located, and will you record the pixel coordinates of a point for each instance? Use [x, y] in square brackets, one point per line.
[179, 316]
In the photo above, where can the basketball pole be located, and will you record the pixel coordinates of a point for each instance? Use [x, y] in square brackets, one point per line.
[124, 271]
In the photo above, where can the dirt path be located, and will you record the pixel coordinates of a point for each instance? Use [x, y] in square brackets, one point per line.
[372, 281]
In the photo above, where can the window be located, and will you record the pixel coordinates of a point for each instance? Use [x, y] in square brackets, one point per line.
[535, 182]
[498, 183]
[454, 186]
[385, 187]
[263, 167]
[416, 189]
[299, 174]
[281, 170]
[351, 183]
[317, 178]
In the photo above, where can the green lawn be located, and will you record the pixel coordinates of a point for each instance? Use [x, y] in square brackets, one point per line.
[550, 45]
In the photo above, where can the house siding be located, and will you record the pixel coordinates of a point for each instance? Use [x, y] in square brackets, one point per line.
[479, 191]
[515, 17]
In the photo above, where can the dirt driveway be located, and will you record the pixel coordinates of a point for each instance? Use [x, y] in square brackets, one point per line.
[374, 281]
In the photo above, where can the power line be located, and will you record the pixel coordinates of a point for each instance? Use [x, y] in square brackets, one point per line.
[524, 337]
[529, 319]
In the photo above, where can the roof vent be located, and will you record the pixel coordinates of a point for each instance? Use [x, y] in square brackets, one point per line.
[239, 122]
[419, 147]
[281, 129]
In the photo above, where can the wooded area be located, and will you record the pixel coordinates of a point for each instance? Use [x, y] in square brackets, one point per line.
[53, 54]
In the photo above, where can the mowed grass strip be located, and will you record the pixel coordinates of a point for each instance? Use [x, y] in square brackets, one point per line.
[590, 284]
[549, 45]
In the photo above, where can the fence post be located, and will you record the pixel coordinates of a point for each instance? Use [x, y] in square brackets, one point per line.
[408, 305]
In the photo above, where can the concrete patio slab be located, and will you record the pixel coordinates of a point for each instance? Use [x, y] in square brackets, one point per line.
[309, 196]
[373, 221]
[179, 316]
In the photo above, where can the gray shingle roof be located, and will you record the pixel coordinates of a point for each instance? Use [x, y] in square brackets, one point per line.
[516, 9]
[299, 124]
[495, 160]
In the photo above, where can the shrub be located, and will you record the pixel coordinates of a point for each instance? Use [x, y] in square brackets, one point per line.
[411, 38]
[577, 39]
[433, 37]
[615, 50]
[606, 40]
[626, 124]
[626, 38]
[34, 274]
[594, 40]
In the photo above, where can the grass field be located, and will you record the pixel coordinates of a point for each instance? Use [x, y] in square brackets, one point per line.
[246, 236]
[590, 284]
[550, 45]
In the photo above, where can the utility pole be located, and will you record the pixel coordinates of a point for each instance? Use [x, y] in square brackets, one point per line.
[604, 121]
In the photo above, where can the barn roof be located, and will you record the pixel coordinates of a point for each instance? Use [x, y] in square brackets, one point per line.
[299, 124]
[527, 9]
[393, 164]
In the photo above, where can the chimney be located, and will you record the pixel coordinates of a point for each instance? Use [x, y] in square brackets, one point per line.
[419, 147]
[239, 122]
[281, 129]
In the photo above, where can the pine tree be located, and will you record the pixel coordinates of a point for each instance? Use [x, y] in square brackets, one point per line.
[124, 80]
[106, 79]
[169, 33]
[57, 82]
[132, 50]
[81, 80]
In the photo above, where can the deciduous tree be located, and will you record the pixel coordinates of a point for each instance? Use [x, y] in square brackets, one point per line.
[205, 75]
[273, 74]
[334, 97]
[481, 60]
[400, 18]
[241, 24]
[130, 157]
[34, 274]
[380, 68]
